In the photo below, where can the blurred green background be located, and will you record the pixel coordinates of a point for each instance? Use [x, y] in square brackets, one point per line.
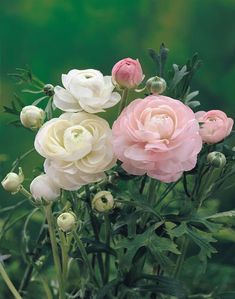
[54, 36]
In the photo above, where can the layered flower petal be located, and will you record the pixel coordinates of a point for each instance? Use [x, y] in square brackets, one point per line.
[158, 136]
[214, 125]
[86, 90]
[77, 148]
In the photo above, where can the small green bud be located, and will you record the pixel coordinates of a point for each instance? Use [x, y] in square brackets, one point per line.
[103, 201]
[49, 90]
[66, 221]
[13, 181]
[156, 85]
[113, 178]
[216, 159]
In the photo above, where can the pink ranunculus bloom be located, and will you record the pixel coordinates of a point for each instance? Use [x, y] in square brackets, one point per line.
[158, 136]
[215, 125]
[127, 73]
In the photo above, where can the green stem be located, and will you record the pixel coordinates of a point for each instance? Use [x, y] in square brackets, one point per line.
[107, 241]
[123, 101]
[16, 163]
[181, 257]
[85, 257]
[25, 192]
[55, 252]
[151, 195]
[205, 187]
[46, 288]
[9, 282]
[64, 250]
[95, 230]
[29, 270]
[151, 191]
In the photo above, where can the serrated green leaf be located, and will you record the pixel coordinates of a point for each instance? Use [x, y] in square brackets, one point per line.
[179, 74]
[203, 240]
[149, 240]
[222, 215]
[159, 59]
[163, 244]
[198, 221]
[193, 104]
[164, 285]
[190, 96]
[178, 231]
[39, 100]
[32, 91]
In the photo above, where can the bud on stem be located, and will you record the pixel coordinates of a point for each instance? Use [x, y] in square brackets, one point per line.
[103, 201]
[12, 182]
[66, 221]
[156, 85]
[216, 159]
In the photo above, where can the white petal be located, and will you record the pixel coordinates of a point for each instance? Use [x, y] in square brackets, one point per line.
[67, 78]
[90, 108]
[65, 101]
[115, 97]
[79, 91]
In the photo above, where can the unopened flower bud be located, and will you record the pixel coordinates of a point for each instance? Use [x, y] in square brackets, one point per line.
[66, 221]
[103, 201]
[43, 188]
[49, 90]
[13, 181]
[156, 85]
[127, 73]
[216, 159]
[113, 178]
[32, 117]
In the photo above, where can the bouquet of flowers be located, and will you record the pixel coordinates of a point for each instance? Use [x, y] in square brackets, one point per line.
[120, 206]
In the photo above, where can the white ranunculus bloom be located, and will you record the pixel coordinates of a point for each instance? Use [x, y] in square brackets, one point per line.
[77, 148]
[43, 187]
[32, 117]
[85, 90]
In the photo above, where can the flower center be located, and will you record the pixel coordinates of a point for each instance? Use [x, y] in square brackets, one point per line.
[211, 119]
[161, 124]
[77, 140]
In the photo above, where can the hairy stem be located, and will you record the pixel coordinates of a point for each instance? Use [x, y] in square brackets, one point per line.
[29, 270]
[151, 195]
[123, 101]
[107, 241]
[9, 282]
[181, 257]
[55, 251]
[64, 250]
[85, 257]
[25, 192]
[95, 230]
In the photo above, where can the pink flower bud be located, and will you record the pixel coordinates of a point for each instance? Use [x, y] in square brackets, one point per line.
[127, 73]
[214, 125]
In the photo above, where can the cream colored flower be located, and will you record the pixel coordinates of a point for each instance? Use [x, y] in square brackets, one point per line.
[77, 148]
[32, 117]
[85, 90]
